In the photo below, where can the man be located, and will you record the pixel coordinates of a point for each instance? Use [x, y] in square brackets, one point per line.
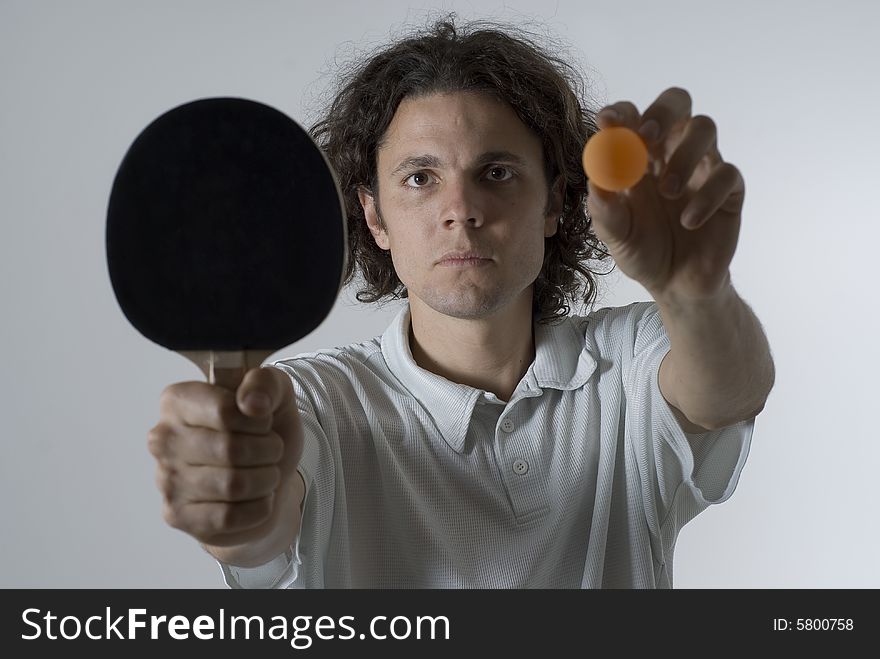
[480, 442]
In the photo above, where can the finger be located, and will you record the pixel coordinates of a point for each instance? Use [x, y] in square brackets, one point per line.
[696, 146]
[200, 404]
[610, 213]
[227, 539]
[671, 109]
[205, 520]
[724, 190]
[206, 447]
[622, 113]
[264, 391]
[221, 484]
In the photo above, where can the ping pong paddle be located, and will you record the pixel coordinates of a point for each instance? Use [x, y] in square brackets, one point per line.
[226, 237]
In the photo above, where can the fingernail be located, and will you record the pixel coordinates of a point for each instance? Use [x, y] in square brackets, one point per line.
[257, 399]
[649, 130]
[610, 115]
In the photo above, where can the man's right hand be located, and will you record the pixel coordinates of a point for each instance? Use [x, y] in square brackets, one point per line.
[227, 465]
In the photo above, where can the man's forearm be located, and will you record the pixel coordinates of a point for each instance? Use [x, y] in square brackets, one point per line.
[719, 369]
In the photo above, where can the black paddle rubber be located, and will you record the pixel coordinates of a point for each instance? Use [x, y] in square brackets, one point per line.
[225, 229]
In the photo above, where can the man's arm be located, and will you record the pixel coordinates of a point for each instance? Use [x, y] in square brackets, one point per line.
[719, 370]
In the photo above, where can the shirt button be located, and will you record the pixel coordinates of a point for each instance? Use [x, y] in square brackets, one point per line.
[507, 425]
[520, 467]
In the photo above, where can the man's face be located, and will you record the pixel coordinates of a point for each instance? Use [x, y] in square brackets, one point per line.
[462, 172]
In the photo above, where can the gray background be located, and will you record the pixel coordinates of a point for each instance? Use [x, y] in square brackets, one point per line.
[791, 85]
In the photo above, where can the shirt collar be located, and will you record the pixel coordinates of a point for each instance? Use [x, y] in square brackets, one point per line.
[562, 361]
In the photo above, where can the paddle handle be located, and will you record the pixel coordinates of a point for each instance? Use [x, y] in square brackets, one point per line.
[226, 368]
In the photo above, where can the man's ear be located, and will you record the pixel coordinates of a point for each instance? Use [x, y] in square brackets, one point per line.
[371, 214]
[555, 204]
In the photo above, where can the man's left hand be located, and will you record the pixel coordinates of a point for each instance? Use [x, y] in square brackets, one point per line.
[677, 244]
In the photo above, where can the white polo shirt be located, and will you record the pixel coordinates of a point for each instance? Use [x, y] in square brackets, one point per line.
[582, 479]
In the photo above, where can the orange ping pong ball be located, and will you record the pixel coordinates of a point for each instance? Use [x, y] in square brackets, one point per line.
[615, 158]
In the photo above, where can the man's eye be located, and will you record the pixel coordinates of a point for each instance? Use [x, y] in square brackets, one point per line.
[500, 177]
[419, 178]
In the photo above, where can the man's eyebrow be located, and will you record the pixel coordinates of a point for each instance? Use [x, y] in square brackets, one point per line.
[501, 156]
[428, 160]
[415, 162]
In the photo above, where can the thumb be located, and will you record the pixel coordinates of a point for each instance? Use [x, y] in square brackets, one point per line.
[263, 391]
[612, 219]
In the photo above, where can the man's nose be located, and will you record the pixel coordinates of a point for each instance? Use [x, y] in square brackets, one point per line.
[461, 202]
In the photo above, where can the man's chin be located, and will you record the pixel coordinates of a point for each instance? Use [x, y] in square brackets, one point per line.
[467, 307]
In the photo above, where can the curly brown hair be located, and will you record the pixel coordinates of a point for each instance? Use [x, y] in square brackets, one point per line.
[542, 89]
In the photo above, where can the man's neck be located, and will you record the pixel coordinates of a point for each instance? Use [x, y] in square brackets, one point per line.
[491, 353]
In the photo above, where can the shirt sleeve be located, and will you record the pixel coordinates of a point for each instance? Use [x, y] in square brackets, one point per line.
[302, 565]
[277, 573]
[681, 474]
